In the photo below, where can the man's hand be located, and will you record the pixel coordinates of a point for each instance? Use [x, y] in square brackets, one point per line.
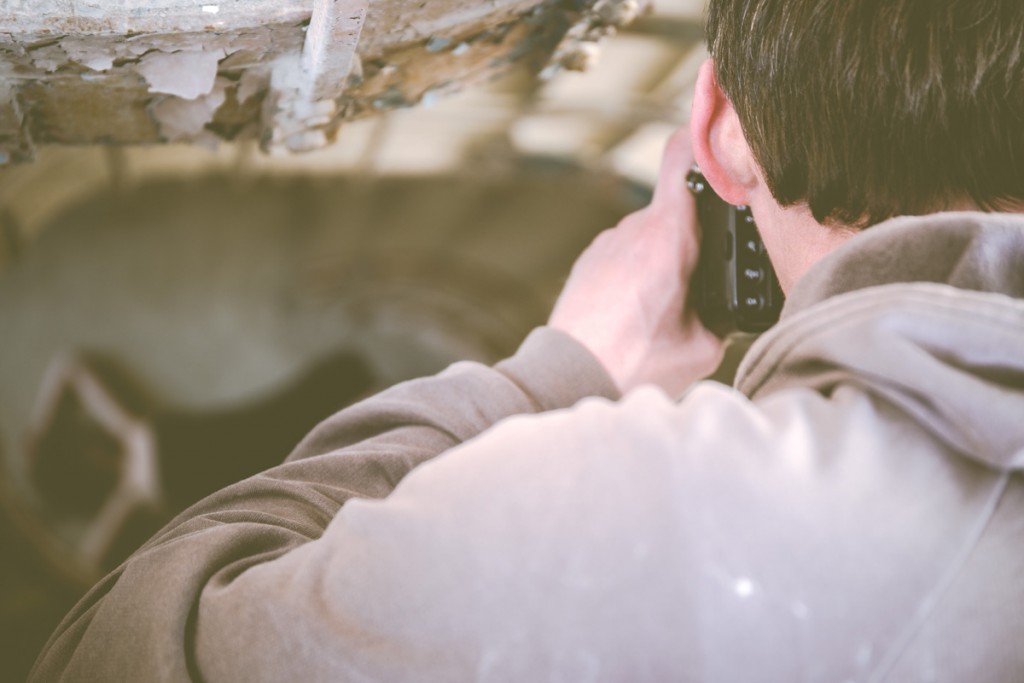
[626, 298]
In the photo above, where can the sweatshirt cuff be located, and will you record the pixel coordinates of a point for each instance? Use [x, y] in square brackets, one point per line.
[557, 371]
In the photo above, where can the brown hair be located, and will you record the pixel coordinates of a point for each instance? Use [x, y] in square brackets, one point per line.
[868, 109]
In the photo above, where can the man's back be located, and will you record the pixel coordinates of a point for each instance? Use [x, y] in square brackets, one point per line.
[859, 519]
[851, 513]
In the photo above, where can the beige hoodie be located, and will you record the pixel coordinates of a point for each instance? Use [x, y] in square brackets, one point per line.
[853, 512]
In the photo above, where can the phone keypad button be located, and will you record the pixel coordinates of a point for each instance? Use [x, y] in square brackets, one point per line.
[753, 303]
[753, 275]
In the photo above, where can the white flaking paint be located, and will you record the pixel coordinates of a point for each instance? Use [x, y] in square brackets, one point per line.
[129, 50]
[183, 119]
[252, 82]
[88, 53]
[187, 74]
[49, 58]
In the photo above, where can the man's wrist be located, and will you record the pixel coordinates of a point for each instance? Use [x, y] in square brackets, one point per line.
[557, 370]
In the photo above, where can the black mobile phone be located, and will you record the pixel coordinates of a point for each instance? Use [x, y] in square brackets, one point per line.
[735, 288]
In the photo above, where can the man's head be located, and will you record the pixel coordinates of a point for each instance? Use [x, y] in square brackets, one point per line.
[865, 109]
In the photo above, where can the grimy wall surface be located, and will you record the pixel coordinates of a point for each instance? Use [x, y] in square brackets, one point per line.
[287, 73]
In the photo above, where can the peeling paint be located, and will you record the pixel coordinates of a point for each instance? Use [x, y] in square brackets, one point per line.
[49, 58]
[187, 74]
[252, 82]
[295, 120]
[183, 118]
[89, 54]
[168, 71]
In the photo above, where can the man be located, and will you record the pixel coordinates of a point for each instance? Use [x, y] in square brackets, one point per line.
[853, 512]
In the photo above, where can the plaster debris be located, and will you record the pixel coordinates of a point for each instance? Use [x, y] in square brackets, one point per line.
[182, 119]
[211, 9]
[49, 58]
[10, 44]
[187, 74]
[252, 81]
[295, 121]
[88, 53]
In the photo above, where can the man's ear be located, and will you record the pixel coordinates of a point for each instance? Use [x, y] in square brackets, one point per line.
[719, 146]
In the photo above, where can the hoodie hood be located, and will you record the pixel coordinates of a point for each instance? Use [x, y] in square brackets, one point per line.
[926, 313]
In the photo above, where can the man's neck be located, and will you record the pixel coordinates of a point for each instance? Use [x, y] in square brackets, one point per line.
[794, 239]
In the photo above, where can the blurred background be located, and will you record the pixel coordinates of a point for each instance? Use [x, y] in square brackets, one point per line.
[182, 296]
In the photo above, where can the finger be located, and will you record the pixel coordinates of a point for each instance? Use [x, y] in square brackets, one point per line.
[675, 164]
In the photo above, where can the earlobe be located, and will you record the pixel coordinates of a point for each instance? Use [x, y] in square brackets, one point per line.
[719, 146]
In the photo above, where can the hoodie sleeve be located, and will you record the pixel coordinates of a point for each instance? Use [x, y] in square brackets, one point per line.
[139, 623]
